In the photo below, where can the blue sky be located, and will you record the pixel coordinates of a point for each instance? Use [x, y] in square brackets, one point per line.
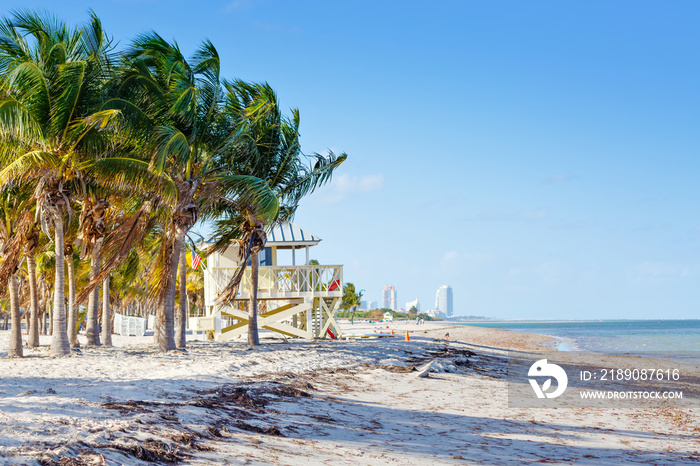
[541, 157]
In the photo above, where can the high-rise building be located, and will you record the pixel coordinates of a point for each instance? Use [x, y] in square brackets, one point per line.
[415, 303]
[389, 297]
[443, 300]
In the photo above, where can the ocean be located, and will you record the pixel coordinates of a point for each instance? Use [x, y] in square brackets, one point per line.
[676, 338]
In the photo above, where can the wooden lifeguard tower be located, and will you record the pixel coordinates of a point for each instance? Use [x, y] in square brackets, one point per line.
[293, 300]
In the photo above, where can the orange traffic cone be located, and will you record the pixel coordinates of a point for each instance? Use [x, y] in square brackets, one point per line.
[392, 331]
[407, 337]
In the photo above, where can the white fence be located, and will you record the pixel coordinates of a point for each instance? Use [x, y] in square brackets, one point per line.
[129, 326]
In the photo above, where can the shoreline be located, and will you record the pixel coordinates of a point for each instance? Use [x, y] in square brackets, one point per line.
[357, 401]
[582, 343]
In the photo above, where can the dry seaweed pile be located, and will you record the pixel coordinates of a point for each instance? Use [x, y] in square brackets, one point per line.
[170, 432]
[182, 428]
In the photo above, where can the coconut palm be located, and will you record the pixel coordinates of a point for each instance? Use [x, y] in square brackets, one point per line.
[179, 102]
[31, 247]
[264, 145]
[45, 270]
[351, 299]
[54, 125]
[15, 225]
[160, 87]
[49, 70]
[92, 221]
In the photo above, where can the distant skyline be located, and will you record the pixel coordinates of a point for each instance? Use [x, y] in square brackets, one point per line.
[541, 157]
[389, 297]
[444, 300]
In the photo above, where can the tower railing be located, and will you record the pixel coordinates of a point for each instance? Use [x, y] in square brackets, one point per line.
[279, 282]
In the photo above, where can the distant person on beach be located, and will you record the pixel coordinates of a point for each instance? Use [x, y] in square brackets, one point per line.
[447, 336]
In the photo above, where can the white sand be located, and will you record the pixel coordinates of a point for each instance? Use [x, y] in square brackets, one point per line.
[225, 403]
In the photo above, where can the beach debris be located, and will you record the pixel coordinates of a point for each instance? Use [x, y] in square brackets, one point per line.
[442, 365]
[407, 337]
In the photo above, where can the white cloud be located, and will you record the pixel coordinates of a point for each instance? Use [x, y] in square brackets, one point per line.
[464, 262]
[513, 272]
[658, 271]
[549, 272]
[450, 256]
[344, 185]
[358, 184]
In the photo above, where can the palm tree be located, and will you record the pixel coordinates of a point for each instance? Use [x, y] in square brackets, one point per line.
[264, 145]
[15, 225]
[49, 119]
[92, 221]
[56, 129]
[179, 103]
[180, 330]
[351, 299]
[32, 244]
[177, 100]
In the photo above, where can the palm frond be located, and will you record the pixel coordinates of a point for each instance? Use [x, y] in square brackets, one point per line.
[17, 119]
[253, 196]
[13, 251]
[171, 144]
[22, 165]
[29, 84]
[118, 244]
[70, 80]
[316, 175]
[123, 174]
[98, 121]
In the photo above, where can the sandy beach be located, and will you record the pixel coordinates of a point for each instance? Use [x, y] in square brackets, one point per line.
[355, 401]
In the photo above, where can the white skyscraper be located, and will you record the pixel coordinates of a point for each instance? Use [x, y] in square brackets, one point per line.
[443, 300]
[389, 297]
[411, 304]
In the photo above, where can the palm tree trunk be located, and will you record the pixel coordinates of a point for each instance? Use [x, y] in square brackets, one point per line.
[253, 338]
[15, 350]
[165, 314]
[181, 330]
[59, 339]
[33, 339]
[92, 330]
[106, 314]
[72, 308]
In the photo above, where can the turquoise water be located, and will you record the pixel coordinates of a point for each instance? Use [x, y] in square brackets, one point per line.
[681, 337]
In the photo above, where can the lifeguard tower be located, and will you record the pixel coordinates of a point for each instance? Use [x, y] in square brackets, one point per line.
[293, 300]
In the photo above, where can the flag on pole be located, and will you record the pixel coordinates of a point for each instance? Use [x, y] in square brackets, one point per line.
[196, 260]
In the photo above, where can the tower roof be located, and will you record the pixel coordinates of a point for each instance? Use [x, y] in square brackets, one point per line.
[290, 235]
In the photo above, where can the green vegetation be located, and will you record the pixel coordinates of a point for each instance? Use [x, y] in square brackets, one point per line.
[110, 157]
[351, 299]
[379, 314]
